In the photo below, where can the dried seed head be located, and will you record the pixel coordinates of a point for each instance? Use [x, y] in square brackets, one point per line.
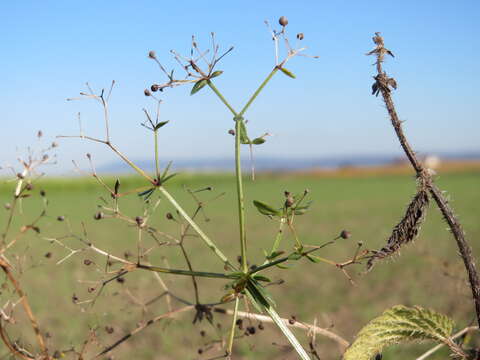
[29, 186]
[45, 157]
[109, 329]
[251, 330]
[202, 333]
[155, 87]
[61, 218]
[74, 298]
[147, 92]
[121, 280]
[20, 176]
[152, 55]
[231, 132]
[260, 326]
[54, 144]
[169, 216]
[98, 216]
[48, 255]
[89, 156]
[57, 354]
[87, 262]
[91, 289]
[43, 193]
[200, 351]
[345, 234]
[300, 36]
[283, 21]
[39, 134]
[139, 220]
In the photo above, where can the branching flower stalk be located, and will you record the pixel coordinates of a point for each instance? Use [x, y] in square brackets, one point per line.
[383, 85]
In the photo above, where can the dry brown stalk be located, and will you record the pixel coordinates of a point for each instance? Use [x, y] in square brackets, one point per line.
[26, 306]
[406, 230]
[383, 85]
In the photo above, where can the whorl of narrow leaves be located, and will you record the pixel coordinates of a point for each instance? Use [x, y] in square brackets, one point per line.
[406, 230]
[397, 325]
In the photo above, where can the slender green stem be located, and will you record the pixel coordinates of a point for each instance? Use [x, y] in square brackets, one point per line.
[260, 88]
[157, 167]
[135, 167]
[240, 196]
[187, 272]
[221, 97]
[286, 258]
[232, 329]
[199, 231]
[278, 238]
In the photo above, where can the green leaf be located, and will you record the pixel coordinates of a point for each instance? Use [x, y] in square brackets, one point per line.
[198, 86]
[261, 278]
[258, 141]
[275, 254]
[166, 178]
[244, 139]
[160, 124]
[146, 194]
[288, 73]
[266, 209]
[397, 325]
[216, 73]
[295, 256]
[312, 258]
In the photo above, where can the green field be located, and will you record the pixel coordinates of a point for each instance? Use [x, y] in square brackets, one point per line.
[428, 273]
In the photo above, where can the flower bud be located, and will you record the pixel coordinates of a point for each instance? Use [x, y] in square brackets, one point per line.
[345, 234]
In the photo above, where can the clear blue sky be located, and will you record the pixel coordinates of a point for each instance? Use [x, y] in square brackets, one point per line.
[49, 49]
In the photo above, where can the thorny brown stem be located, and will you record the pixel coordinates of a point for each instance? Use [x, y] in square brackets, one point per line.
[382, 85]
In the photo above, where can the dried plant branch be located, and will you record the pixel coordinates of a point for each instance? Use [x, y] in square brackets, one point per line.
[299, 325]
[439, 346]
[383, 85]
[26, 306]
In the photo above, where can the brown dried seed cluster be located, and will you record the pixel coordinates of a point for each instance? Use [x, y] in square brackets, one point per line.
[406, 230]
[283, 21]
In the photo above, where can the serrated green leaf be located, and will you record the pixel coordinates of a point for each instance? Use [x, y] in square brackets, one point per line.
[266, 209]
[216, 73]
[160, 124]
[397, 325]
[198, 86]
[288, 73]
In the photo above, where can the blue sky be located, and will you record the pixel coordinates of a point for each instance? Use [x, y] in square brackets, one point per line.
[51, 48]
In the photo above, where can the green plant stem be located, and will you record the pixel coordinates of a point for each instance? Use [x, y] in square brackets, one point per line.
[240, 196]
[238, 168]
[199, 231]
[232, 329]
[286, 258]
[221, 97]
[187, 272]
[157, 167]
[260, 88]
[278, 238]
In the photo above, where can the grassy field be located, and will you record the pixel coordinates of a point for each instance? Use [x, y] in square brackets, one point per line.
[428, 273]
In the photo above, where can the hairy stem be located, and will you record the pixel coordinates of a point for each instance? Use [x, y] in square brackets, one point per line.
[422, 174]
